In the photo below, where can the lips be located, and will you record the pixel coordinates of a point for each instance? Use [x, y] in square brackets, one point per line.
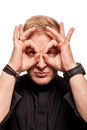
[41, 74]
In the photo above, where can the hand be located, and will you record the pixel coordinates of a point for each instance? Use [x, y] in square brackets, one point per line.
[63, 60]
[20, 59]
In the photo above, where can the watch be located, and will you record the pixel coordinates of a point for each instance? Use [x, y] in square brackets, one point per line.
[79, 69]
[10, 71]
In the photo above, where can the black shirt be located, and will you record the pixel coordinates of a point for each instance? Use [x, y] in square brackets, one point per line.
[48, 107]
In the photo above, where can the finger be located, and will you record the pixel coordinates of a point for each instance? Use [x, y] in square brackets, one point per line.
[20, 30]
[27, 33]
[46, 58]
[30, 43]
[49, 60]
[55, 34]
[62, 32]
[50, 34]
[69, 35]
[15, 33]
[37, 57]
[51, 44]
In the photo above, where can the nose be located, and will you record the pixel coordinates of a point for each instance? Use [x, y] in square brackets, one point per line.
[41, 64]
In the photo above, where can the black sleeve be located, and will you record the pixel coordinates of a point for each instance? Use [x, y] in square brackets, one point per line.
[16, 98]
[5, 121]
[69, 98]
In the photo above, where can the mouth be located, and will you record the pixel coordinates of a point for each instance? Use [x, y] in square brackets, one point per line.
[41, 74]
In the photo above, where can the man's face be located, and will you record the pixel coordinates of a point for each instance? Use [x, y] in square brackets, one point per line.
[41, 73]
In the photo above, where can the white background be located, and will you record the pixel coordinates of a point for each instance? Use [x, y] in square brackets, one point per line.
[71, 12]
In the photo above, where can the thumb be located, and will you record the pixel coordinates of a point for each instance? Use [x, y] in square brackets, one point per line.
[46, 58]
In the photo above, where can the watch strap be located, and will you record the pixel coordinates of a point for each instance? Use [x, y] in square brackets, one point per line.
[79, 69]
[10, 71]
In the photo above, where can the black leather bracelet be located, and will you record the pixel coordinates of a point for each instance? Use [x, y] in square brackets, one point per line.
[79, 69]
[10, 71]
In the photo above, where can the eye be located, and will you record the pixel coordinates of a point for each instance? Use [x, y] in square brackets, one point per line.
[52, 53]
[30, 53]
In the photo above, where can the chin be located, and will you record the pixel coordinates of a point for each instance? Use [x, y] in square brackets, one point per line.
[42, 81]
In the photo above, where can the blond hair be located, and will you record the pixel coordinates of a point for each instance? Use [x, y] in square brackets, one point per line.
[40, 22]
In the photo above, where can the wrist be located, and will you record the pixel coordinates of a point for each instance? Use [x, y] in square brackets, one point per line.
[70, 66]
[78, 69]
[9, 70]
[15, 67]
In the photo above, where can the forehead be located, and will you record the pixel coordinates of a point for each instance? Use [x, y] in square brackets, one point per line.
[41, 40]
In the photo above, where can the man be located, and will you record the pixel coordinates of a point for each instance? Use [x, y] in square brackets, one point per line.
[41, 99]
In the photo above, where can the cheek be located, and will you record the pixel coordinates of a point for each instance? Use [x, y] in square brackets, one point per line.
[31, 72]
[52, 69]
